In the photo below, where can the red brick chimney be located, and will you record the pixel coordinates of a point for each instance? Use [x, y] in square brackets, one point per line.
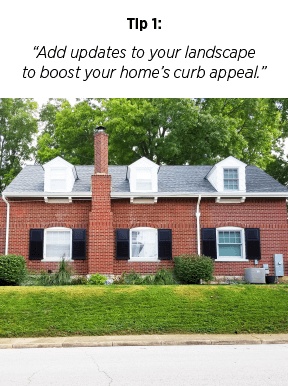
[101, 151]
[101, 234]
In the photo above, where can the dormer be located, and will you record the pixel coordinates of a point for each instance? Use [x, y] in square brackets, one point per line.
[59, 176]
[228, 176]
[143, 176]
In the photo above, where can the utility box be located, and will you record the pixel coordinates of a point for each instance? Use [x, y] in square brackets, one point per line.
[278, 264]
[255, 275]
[266, 267]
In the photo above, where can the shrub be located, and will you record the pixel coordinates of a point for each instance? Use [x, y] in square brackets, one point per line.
[120, 279]
[133, 278]
[190, 269]
[79, 280]
[164, 277]
[12, 269]
[97, 279]
[63, 276]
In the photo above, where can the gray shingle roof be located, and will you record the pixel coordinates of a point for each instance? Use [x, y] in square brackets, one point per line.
[170, 179]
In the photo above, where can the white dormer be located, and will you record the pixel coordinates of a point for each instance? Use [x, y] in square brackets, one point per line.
[142, 176]
[228, 176]
[59, 176]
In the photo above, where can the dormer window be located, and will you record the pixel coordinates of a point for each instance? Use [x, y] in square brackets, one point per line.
[143, 179]
[59, 176]
[143, 176]
[228, 175]
[58, 179]
[231, 181]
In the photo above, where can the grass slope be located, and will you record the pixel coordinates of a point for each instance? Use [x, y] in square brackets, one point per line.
[116, 310]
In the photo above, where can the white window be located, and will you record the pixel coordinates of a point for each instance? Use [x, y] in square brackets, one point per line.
[230, 244]
[143, 179]
[143, 244]
[231, 180]
[58, 179]
[57, 244]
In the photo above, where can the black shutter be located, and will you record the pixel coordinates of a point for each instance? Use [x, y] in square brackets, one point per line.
[252, 238]
[209, 242]
[36, 244]
[122, 244]
[78, 244]
[165, 244]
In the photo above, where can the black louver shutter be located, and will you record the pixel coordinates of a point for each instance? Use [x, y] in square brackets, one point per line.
[78, 244]
[165, 244]
[36, 244]
[122, 244]
[252, 238]
[209, 242]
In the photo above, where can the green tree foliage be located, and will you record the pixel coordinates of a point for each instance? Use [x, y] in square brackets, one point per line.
[167, 130]
[18, 125]
[68, 131]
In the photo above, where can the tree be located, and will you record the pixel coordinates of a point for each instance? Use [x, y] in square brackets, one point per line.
[18, 125]
[257, 124]
[167, 130]
[68, 131]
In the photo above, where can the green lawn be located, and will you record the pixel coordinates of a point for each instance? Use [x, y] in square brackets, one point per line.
[116, 310]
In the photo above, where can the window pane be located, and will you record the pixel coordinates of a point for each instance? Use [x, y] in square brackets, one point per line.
[230, 179]
[143, 185]
[58, 185]
[230, 250]
[58, 244]
[144, 243]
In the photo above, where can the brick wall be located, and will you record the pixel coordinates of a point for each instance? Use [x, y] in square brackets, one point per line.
[103, 216]
[175, 214]
[28, 214]
[3, 214]
[270, 215]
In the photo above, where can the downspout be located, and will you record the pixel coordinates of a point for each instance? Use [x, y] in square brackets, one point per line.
[198, 224]
[7, 224]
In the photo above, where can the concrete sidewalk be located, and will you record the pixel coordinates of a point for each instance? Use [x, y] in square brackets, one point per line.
[143, 340]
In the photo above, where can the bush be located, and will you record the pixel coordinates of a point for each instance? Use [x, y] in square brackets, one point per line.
[133, 278]
[80, 280]
[190, 269]
[120, 279]
[12, 269]
[97, 279]
[63, 276]
[164, 277]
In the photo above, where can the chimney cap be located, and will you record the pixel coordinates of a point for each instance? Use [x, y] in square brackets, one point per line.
[100, 129]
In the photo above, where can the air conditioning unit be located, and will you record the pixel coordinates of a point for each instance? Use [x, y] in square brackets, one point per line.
[255, 275]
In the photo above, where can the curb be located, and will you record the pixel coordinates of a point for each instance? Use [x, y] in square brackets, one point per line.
[142, 340]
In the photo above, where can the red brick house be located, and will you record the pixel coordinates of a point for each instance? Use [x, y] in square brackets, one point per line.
[110, 219]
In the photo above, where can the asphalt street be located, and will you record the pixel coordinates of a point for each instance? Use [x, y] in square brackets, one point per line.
[247, 365]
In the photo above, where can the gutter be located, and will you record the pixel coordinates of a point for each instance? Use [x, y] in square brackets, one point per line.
[198, 224]
[196, 195]
[7, 224]
[45, 194]
[88, 194]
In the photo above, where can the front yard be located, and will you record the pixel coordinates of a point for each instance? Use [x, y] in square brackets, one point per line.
[117, 310]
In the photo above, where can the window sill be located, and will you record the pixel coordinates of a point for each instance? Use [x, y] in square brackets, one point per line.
[56, 260]
[229, 260]
[143, 260]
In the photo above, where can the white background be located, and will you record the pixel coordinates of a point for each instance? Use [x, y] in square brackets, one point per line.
[261, 25]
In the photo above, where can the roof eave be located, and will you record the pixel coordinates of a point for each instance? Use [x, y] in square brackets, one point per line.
[47, 194]
[203, 194]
